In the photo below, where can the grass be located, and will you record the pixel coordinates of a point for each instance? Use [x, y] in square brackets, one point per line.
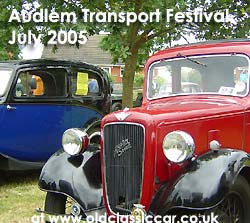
[19, 197]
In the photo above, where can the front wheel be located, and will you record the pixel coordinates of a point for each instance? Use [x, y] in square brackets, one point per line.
[235, 208]
[60, 204]
[116, 106]
[94, 136]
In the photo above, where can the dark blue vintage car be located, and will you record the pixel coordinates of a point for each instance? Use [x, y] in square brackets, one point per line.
[39, 100]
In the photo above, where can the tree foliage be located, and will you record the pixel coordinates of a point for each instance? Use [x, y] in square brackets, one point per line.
[7, 51]
[132, 44]
[139, 80]
[238, 27]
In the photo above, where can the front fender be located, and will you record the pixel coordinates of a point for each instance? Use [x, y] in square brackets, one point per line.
[76, 176]
[204, 183]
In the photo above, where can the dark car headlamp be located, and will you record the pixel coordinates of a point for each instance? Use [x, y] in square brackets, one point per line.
[75, 141]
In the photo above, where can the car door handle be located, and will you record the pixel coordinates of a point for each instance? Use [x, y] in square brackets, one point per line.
[9, 108]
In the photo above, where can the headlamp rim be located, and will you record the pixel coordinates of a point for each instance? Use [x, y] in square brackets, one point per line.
[189, 145]
[81, 135]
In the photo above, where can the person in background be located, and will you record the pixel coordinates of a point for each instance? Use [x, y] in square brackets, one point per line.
[93, 86]
[39, 86]
[19, 88]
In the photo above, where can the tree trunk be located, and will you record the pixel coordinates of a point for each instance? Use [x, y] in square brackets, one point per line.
[128, 79]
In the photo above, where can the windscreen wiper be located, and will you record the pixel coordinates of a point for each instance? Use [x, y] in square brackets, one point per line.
[192, 60]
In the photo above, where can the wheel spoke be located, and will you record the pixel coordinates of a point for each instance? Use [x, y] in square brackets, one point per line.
[230, 210]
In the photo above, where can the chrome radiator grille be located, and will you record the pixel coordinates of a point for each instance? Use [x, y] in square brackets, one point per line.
[123, 163]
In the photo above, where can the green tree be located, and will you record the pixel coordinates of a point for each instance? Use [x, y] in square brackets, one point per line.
[238, 27]
[7, 51]
[132, 44]
[139, 80]
[129, 44]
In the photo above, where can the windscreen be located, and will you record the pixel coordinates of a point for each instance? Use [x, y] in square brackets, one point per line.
[214, 74]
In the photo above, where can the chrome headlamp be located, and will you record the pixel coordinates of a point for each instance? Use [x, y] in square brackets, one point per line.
[178, 146]
[75, 141]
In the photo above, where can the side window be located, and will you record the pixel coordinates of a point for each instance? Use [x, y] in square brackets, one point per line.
[86, 83]
[51, 82]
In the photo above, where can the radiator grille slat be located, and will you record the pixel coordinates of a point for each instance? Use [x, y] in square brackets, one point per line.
[123, 163]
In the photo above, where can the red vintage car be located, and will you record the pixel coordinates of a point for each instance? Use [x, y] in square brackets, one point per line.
[183, 152]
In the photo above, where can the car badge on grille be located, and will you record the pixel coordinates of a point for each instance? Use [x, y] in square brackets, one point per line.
[122, 147]
[139, 213]
[121, 116]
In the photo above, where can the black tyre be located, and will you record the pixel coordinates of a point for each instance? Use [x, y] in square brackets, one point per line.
[116, 106]
[235, 208]
[94, 136]
[58, 204]
[55, 203]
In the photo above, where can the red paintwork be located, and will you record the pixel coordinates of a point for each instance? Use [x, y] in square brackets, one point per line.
[204, 117]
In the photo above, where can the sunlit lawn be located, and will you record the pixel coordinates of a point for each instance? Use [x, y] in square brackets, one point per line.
[19, 197]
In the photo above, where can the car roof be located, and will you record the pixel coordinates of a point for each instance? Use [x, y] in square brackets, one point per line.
[46, 62]
[210, 43]
[241, 46]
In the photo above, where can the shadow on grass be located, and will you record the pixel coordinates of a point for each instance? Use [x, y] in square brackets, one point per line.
[18, 177]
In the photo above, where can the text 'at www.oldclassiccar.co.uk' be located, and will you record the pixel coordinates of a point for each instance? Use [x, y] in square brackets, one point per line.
[127, 18]
[211, 218]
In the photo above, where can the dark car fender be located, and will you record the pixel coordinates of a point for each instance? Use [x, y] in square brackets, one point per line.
[204, 183]
[78, 177]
